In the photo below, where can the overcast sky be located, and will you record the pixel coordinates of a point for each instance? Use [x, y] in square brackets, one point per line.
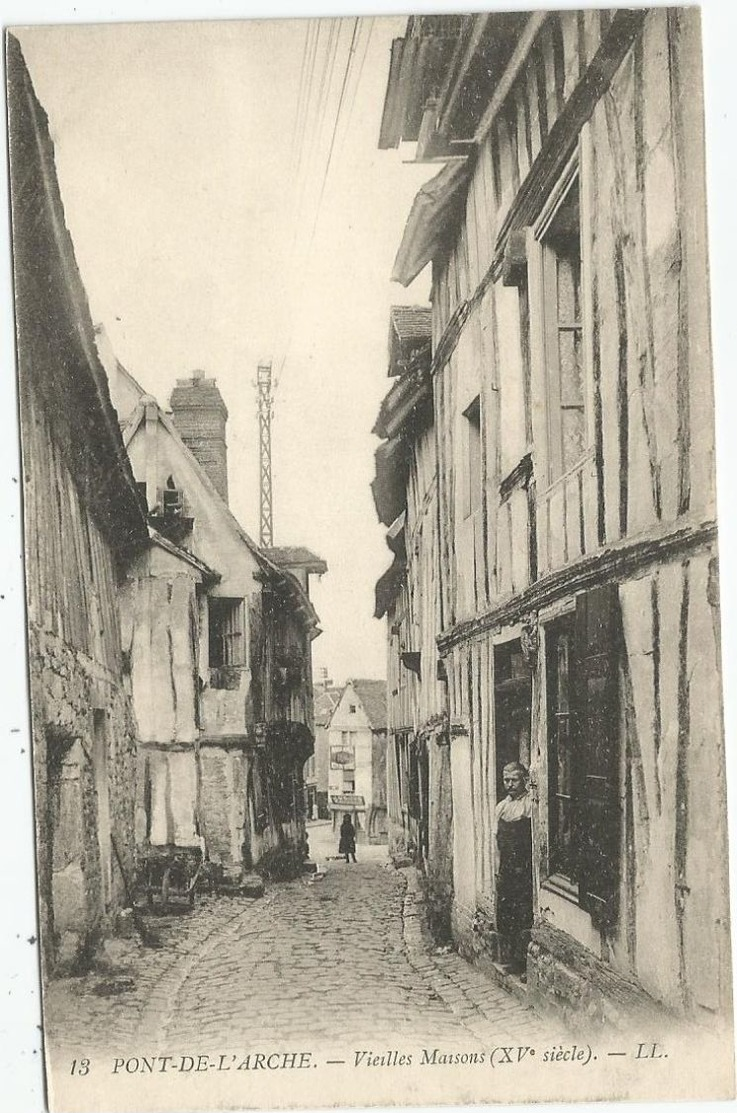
[192, 160]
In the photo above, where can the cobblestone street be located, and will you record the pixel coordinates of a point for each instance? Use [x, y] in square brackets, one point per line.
[343, 959]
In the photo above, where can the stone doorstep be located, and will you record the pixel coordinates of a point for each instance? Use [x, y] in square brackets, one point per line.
[497, 973]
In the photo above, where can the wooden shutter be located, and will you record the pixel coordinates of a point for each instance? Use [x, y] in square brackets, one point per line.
[414, 802]
[596, 709]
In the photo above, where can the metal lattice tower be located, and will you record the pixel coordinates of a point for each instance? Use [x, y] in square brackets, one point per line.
[265, 409]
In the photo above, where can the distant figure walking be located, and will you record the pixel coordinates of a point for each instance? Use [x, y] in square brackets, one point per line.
[347, 843]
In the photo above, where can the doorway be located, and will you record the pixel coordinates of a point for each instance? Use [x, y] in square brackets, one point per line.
[100, 772]
[513, 708]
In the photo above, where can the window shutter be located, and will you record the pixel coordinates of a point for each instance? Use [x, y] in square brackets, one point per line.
[597, 725]
[414, 784]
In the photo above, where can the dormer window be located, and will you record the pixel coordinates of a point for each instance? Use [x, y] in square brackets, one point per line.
[173, 501]
[170, 515]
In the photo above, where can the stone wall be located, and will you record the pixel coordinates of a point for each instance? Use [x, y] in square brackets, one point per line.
[84, 756]
[439, 867]
[223, 805]
[588, 994]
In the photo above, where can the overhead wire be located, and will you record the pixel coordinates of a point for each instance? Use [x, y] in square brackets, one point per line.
[367, 41]
[341, 101]
[300, 90]
[306, 78]
[335, 130]
[315, 68]
[306, 112]
[313, 131]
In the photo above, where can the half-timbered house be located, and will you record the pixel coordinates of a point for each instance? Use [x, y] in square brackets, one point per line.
[84, 522]
[405, 494]
[576, 569]
[219, 635]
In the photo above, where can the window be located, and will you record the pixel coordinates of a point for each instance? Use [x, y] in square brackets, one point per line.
[352, 709]
[559, 641]
[563, 311]
[227, 639]
[582, 665]
[173, 503]
[473, 448]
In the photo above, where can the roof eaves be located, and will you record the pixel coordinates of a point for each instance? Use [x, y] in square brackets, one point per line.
[209, 575]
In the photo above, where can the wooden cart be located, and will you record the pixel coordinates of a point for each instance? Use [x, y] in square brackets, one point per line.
[171, 871]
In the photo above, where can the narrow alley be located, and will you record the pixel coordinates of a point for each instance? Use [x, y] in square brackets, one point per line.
[371, 580]
[343, 959]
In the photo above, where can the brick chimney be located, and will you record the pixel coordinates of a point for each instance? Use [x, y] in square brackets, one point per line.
[200, 415]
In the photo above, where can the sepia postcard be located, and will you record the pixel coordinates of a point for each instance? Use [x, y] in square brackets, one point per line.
[366, 413]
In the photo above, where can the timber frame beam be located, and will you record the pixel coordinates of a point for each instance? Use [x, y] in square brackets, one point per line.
[564, 133]
[551, 160]
[616, 563]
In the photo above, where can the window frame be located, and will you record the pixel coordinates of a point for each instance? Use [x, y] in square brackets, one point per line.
[592, 621]
[543, 309]
[239, 660]
[557, 878]
[474, 459]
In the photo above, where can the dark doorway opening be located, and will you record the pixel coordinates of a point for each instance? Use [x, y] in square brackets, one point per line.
[513, 708]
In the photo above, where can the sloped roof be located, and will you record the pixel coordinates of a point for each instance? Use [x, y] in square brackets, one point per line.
[56, 341]
[389, 485]
[412, 322]
[408, 406]
[209, 575]
[433, 220]
[267, 566]
[388, 587]
[325, 702]
[372, 694]
[449, 66]
[114, 368]
[410, 339]
[295, 556]
[417, 62]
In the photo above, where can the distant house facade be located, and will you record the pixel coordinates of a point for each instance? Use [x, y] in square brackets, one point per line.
[219, 638]
[84, 524]
[317, 767]
[576, 570]
[357, 740]
[406, 496]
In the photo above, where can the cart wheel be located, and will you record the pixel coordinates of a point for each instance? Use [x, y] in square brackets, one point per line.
[165, 883]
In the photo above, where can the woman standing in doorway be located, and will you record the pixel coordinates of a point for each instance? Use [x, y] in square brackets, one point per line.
[514, 879]
[347, 843]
